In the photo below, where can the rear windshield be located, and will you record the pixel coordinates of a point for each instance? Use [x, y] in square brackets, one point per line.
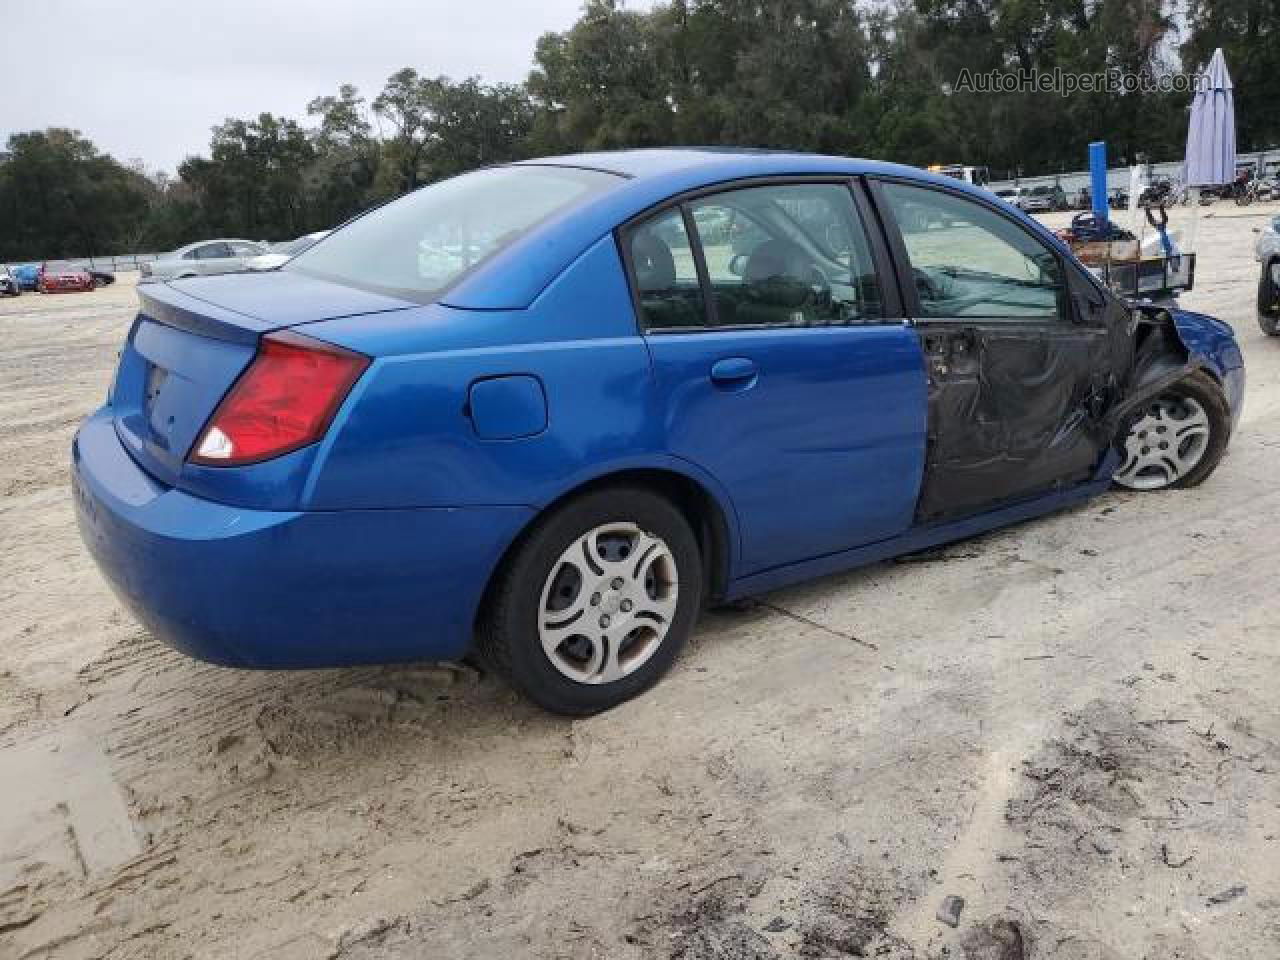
[419, 245]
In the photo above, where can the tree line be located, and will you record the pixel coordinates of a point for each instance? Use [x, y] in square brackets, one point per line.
[856, 77]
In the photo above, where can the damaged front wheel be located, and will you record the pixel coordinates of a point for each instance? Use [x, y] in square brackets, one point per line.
[1178, 438]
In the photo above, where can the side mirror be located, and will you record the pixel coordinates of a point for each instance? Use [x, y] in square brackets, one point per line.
[738, 264]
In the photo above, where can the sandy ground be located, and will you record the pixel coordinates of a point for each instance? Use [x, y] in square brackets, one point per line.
[1072, 725]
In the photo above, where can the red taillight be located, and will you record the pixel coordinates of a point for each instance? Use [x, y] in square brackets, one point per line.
[283, 401]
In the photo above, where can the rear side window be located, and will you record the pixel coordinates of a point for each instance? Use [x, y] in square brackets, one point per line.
[419, 245]
[793, 255]
[213, 251]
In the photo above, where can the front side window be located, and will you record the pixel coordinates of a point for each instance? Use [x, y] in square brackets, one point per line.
[419, 245]
[971, 262]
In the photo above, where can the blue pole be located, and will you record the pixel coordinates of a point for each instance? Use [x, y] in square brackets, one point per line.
[1098, 179]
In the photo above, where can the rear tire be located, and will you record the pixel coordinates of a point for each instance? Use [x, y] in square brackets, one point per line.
[1178, 438]
[578, 634]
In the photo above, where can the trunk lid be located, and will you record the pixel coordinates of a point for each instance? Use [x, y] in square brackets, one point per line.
[193, 338]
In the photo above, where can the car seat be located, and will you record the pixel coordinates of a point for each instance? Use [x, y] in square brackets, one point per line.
[773, 289]
[663, 301]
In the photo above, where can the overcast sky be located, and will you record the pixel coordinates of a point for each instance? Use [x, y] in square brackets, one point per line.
[148, 78]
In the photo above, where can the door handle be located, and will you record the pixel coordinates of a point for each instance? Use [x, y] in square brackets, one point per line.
[734, 373]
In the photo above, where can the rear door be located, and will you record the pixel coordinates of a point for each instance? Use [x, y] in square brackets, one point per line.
[782, 365]
[1021, 371]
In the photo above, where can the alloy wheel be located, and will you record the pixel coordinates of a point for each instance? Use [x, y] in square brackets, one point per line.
[1164, 444]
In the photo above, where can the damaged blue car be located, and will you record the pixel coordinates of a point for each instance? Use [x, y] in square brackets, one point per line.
[546, 411]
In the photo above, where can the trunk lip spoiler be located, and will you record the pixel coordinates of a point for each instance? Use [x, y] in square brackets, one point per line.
[174, 307]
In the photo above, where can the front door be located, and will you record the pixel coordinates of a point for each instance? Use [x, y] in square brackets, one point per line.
[1020, 372]
[782, 365]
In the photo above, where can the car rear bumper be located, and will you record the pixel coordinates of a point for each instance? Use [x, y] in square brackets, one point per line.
[276, 589]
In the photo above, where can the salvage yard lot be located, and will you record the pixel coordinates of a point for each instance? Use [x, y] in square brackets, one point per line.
[1071, 724]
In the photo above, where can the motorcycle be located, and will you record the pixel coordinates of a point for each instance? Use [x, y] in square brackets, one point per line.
[1158, 194]
[1256, 190]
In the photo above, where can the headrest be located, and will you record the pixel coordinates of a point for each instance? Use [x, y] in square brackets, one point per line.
[655, 267]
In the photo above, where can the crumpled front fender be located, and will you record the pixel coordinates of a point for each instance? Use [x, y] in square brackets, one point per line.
[1170, 345]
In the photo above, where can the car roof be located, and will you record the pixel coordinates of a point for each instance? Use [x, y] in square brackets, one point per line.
[201, 243]
[713, 163]
[646, 178]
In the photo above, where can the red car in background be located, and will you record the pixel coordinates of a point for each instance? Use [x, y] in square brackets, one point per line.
[62, 278]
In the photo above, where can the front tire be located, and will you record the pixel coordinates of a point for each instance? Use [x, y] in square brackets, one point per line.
[1177, 438]
[596, 603]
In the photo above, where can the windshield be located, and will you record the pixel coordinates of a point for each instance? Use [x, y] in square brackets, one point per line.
[417, 246]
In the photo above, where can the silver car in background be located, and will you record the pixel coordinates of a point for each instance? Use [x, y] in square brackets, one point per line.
[202, 259]
[9, 286]
[1267, 246]
[282, 253]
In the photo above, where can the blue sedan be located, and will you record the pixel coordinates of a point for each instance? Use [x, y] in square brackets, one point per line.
[545, 412]
[27, 275]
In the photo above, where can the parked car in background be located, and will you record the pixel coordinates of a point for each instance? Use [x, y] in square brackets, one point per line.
[58, 277]
[27, 275]
[1009, 196]
[101, 278]
[532, 408]
[202, 259]
[281, 253]
[1268, 243]
[1043, 199]
[9, 285]
[1266, 251]
[1269, 298]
